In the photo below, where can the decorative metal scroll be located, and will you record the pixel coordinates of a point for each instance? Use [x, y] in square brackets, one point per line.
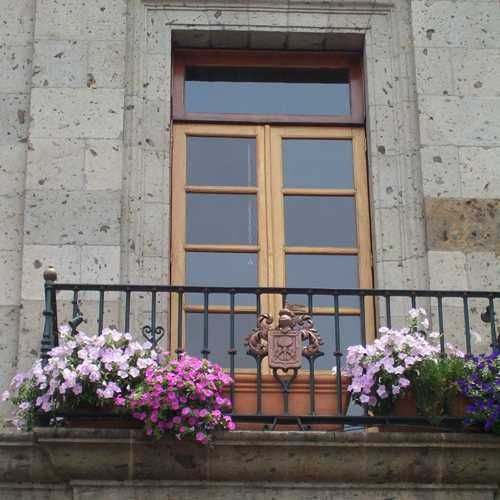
[153, 336]
[284, 344]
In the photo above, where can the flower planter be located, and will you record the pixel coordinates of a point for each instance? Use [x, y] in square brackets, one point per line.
[406, 406]
[90, 417]
[98, 419]
[245, 400]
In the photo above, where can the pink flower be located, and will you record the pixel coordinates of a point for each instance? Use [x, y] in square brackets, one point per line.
[404, 382]
[201, 437]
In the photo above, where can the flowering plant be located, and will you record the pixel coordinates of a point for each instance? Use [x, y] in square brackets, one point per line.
[382, 372]
[481, 384]
[183, 397]
[82, 371]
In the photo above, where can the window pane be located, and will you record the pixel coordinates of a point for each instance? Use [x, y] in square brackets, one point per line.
[320, 221]
[219, 337]
[350, 334]
[221, 269]
[321, 271]
[317, 163]
[289, 91]
[221, 219]
[220, 161]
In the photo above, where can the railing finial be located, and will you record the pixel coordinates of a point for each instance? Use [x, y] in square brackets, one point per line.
[50, 274]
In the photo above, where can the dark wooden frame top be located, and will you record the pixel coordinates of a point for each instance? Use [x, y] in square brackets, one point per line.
[238, 58]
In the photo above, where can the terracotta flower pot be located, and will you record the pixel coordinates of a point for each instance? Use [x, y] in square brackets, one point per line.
[406, 406]
[245, 401]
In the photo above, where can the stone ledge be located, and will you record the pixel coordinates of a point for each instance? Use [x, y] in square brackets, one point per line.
[62, 456]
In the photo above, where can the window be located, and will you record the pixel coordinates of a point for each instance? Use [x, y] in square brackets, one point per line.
[262, 203]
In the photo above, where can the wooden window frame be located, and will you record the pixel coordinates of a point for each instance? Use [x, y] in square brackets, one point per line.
[267, 59]
[270, 249]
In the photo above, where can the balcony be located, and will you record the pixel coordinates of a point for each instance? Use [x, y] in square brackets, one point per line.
[304, 395]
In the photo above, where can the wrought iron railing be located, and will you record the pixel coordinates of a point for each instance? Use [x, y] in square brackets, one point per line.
[370, 307]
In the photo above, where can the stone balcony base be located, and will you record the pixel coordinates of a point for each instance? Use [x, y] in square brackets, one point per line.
[104, 464]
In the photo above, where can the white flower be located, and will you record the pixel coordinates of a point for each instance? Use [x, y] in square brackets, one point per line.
[476, 337]
[5, 395]
[434, 335]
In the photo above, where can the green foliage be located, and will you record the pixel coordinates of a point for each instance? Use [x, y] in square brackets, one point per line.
[435, 386]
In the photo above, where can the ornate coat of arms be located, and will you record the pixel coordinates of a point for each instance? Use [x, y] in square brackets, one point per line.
[284, 344]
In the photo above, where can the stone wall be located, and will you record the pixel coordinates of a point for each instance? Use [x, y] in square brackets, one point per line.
[16, 57]
[457, 55]
[85, 140]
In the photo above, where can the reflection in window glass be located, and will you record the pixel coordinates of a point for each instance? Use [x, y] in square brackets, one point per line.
[350, 334]
[288, 91]
[220, 161]
[221, 219]
[321, 271]
[320, 221]
[317, 163]
[221, 269]
[219, 337]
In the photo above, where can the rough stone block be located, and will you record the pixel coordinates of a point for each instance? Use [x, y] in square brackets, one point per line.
[441, 171]
[389, 245]
[157, 84]
[15, 67]
[72, 218]
[77, 113]
[106, 63]
[30, 333]
[385, 181]
[469, 224]
[155, 270]
[384, 135]
[16, 24]
[434, 71]
[155, 229]
[14, 118]
[10, 272]
[483, 270]
[447, 271]
[452, 120]
[12, 167]
[60, 63]
[476, 71]
[11, 222]
[36, 258]
[389, 274]
[103, 165]
[155, 176]
[381, 84]
[480, 172]
[9, 328]
[156, 130]
[100, 264]
[468, 23]
[55, 164]
[74, 19]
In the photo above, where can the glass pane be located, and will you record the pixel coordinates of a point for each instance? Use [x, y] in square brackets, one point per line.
[350, 334]
[321, 271]
[317, 163]
[220, 161]
[320, 221]
[289, 91]
[219, 337]
[221, 269]
[221, 219]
